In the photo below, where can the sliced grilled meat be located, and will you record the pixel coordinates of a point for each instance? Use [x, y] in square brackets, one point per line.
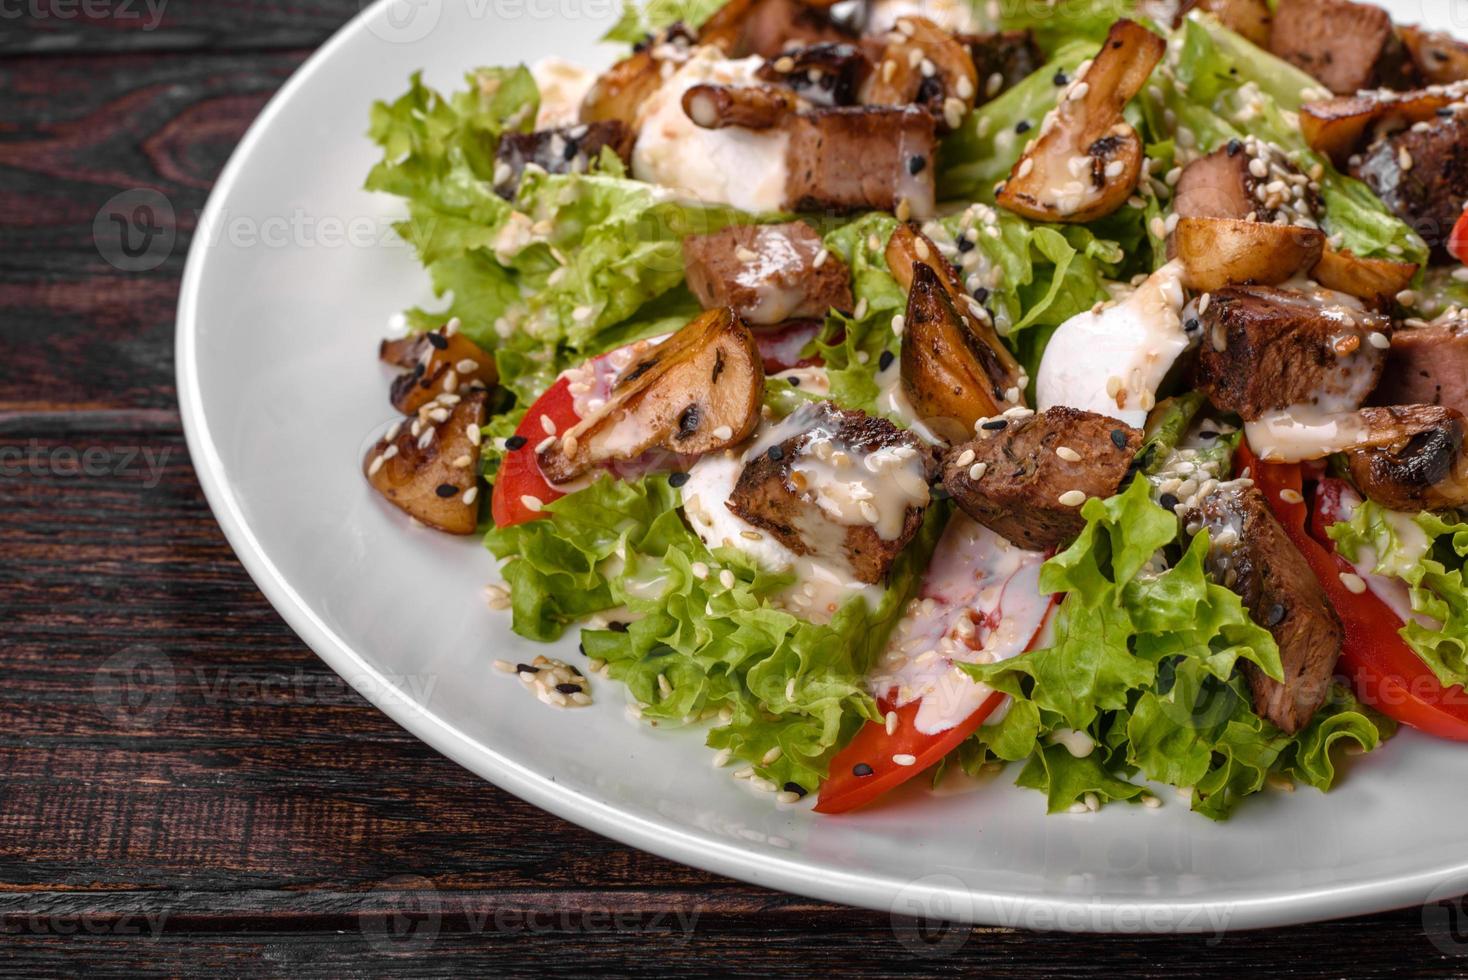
[1222, 185]
[1427, 366]
[1026, 478]
[837, 485]
[1440, 58]
[1422, 468]
[567, 150]
[1251, 18]
[1422, 174]
[1251, 554]
[1002, 60]
[862, 158]
[767, 27]
[1346, 46]
[767, 273]
[828, 74]
[1264, 349]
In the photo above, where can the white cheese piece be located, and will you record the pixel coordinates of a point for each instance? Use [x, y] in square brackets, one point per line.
[1111, 362]
[563, 84]
[740, 167]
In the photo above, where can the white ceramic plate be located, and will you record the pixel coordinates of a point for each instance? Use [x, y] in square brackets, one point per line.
[289, 284]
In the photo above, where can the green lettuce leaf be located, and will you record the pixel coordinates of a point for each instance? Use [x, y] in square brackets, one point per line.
[702, 639]
[1428, 552]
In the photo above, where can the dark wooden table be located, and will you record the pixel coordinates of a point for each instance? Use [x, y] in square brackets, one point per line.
[184, 785]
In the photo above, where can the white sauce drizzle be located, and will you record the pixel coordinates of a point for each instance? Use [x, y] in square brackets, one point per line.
[1388, 588]
[1301, 432]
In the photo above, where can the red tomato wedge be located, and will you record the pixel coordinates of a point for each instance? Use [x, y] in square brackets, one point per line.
[1385, 672]
[976, 575]
[519, 476]
[1458, 239]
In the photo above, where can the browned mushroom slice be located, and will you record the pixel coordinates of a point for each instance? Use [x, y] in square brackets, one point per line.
[622, 88]
[950, 377]
[430, 468]
[436, 362]
[1003, 384]
[828, 74]
[696, 392]
[768, 27]
[1087, 159]
[566, 150]
[746, 106]
[1250, 18]
[1002, 60]
[1218, 252]
[1417, 462]
[1374, 280]
[923, 63]
[1338, 127]
[1440, 58]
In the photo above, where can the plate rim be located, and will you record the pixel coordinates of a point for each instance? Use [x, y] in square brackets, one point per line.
[871, 890]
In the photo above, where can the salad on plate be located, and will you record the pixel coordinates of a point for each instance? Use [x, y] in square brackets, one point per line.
[891, 389]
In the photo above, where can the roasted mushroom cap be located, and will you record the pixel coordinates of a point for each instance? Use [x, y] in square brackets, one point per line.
[1250, 18]
[713, 106]
[1374, 280]
[1440, 58]
[696, 392]
[620, 91]
[1417, 462]
[1218, 252]
[436, 362]
[829, 74]
[430, 468]
[1087, 159]
[1338, 127]
[925, 64]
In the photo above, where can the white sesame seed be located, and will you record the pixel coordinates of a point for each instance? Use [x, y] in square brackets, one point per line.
[898, 323]
[1068, 454]
[504, 666]
[531, 502]
[1072, 498]
[723, 432]
[1291, 496]
[976, 471]
[548, 424]
[904, 759]
[1113, 386]
[770, 756]
[965, 458]
[470, 495]
[820, 259]
[726, 578]
[891, 722]
[1353, 582]
[700, 570]
[390, 452]
[790, 689]
[545, 444]
[376, 465]
[1025, 167]
[474, 434]
[426, 438]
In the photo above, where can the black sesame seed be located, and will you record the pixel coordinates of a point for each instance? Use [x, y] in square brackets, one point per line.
[1208, 434]
[862, 769]
[515, 442]
[617, 626]
[581, 648]
[677, 480]
[1234, 146]
[1275, 615]
[446, 490]
[1118, 438]
[439, 341]
[794, 381]
[795, 788]
[981, 294]
[574, 671]
[569, 688]
[1023, 126]
[1168, 501]
[1192, 324]
[776, 453]
[526, 669]
[994, 425]
[572, 148]
[964, 245]
[1060, 78]
[915, 164]
[885, 361]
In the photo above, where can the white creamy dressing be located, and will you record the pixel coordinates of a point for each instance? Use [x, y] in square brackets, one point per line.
[1301, 432]
[811, 379]
[980, 602]
[892, 402]
[563, 85]
[776, 275]
[819, 588]
[1390, 589]
[851, 488]
[740, 167]
[1111, 362]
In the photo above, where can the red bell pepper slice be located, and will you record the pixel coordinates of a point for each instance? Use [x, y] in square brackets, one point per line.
[519, 476]
[1385, 672]
[1458, 238]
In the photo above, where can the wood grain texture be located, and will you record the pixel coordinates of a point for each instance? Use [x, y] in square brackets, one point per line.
[185, 786]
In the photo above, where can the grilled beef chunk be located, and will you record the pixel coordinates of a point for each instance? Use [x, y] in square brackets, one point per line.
[1346, 46]
[838, 485]
[1252, 555]
[827, 74]
[861, 158]
[1002, 60]
[1418, 461]
[1440, 59]
[567, 150]
[1015, 477]
[1251, 18]
[1427, 366]
[429, 467]
[1221, 185]
[767, 273]
[1265, 349]
[1422, 175]
[767, 27]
